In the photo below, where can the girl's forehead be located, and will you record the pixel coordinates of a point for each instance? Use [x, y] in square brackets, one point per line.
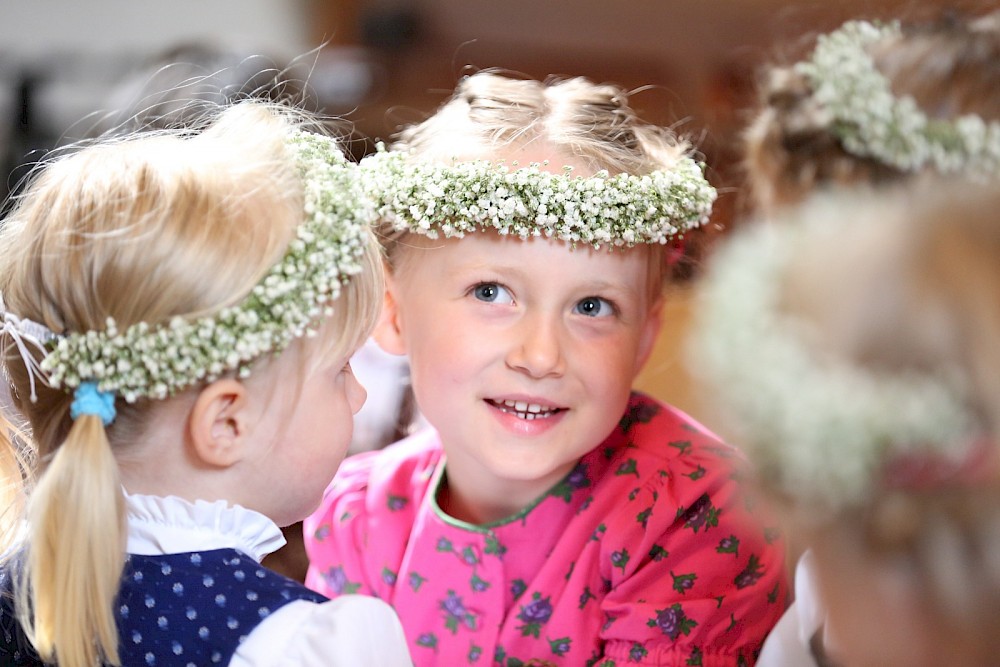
[547, 155]
[535, 258]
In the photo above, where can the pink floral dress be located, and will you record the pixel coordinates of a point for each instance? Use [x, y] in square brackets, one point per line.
[645, 554]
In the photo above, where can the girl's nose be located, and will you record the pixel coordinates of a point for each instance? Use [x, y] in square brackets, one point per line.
[538, 348]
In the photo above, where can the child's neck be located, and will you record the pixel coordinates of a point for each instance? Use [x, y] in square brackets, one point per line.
[481, 503]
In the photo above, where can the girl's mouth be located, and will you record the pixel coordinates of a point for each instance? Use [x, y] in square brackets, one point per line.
[525, 410]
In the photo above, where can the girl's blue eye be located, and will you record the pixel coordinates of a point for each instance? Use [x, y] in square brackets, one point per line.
[492, 293]
[594, 306]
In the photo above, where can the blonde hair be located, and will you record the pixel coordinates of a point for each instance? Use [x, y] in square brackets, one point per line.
[140, 229]
[491, 113]
[934, 308]
[950, 67]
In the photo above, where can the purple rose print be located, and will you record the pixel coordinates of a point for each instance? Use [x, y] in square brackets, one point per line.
[695, 659]
[586, 596]
[336, 579]
[637, 652]
[658, 553]
[475, 652]
[620, 559]
[396, 503]
[560, 646]
[641, 413]
[416, 581]
[534, 615]
[517, 588]
[478, 584]
[469, 556]
[444, 544]
[428, 640]
[576, 479]
[455, 613]
[683, 582]
[388, 577]
[629, 467]
[672, 621]
[701, 515]
[750, 575]
[494, 547]
[729, 545]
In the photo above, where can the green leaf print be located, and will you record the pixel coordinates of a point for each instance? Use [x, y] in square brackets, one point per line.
[695, 658]
[396, 503]
[455, 613]
[534, 615]
[658, 553]
[586, 596]
[620, 559]
[630, 467]
[637, 653]
[729, 545]
[415, 581]
[697, 474]
[683, 582]
[560, 646]
[475, 652]
[493, 546]
[683, 446]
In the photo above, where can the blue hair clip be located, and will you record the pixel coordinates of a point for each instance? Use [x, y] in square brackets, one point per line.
[89, 400]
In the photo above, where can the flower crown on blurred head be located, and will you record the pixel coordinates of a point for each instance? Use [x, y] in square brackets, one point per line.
[156, 360]
[872, 122]
[819, 427]
[467, 196]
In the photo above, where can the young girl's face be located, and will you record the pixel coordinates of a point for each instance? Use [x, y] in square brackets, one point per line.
[522, 353]
[309, 439]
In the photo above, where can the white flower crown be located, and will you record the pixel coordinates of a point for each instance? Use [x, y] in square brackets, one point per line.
[818, 428]
[154, 361]
[872, 122]
[621, 210]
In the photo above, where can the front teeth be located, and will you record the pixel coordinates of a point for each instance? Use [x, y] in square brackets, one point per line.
[527, 410]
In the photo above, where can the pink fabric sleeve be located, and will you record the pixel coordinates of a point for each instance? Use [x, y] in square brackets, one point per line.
[695, 578]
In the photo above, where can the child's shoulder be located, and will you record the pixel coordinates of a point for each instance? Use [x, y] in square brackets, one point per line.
[659, 431]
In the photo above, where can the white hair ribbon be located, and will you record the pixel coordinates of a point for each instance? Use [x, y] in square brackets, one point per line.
[25, 334]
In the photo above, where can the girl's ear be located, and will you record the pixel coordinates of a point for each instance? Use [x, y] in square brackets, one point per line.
[389, 330]
[218, 423]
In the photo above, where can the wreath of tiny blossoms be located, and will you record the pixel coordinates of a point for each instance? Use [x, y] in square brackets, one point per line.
[872, 122]
[818, 429]
[466, 196]
[154, 361]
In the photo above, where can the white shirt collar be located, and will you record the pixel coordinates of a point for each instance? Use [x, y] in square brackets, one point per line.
[165, 525]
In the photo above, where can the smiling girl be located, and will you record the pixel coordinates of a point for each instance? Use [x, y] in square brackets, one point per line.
[551, 516]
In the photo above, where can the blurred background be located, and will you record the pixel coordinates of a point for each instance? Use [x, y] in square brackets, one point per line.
[66, 65]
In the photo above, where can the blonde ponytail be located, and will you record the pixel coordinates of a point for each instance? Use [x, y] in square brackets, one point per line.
[76, 552]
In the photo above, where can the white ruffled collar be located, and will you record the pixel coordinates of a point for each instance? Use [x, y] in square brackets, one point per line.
[165, 525]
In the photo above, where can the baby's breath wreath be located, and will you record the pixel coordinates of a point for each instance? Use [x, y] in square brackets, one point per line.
[155, 361]
[818, 426]
[871, 121]
[602, 210]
